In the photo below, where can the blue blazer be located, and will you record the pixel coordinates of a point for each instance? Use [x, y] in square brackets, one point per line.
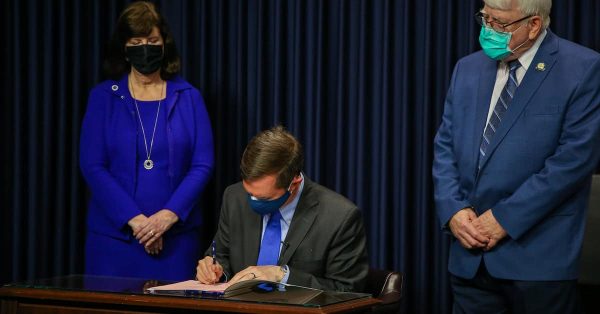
[108, 153]
[537, 172]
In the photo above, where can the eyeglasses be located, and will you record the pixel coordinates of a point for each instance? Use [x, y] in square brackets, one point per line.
[487, 21]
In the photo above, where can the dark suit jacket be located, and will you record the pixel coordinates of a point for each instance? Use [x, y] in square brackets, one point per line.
[326, 242]
[537, 170]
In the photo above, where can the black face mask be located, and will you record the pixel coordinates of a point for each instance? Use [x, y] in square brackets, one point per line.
[146, 59]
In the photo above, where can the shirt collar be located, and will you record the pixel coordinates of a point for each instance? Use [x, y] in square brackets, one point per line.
[527, 57]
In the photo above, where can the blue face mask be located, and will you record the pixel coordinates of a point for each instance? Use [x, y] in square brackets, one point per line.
[495, 43]
[263, 207]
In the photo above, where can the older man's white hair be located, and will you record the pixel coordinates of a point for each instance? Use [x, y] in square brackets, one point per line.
[527, 7]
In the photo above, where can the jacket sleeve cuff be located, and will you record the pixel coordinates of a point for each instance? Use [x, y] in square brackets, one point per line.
[448, 209]
[503, 218]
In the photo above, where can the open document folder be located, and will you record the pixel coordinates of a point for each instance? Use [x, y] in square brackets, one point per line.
[249, 290]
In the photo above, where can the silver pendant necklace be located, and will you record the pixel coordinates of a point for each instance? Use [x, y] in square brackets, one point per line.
[148, 163]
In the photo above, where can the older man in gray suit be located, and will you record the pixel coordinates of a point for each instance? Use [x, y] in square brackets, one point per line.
[277, 225]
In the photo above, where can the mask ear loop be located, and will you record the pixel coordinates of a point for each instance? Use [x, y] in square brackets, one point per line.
[523, 43]
[519, 46]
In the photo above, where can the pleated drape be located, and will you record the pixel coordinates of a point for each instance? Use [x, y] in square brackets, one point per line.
[360, 83]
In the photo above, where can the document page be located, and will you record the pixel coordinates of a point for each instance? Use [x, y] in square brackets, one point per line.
[191, 285]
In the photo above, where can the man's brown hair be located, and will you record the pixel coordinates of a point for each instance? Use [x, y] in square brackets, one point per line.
[274, 151]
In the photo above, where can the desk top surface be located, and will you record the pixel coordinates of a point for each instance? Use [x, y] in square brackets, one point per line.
[134, 287]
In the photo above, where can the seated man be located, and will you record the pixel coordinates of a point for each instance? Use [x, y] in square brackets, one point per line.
[279, 226]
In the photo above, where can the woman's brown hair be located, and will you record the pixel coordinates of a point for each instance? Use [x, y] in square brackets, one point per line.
[138, 20]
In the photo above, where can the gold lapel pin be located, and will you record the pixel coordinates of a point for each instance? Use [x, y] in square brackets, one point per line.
[540, 66]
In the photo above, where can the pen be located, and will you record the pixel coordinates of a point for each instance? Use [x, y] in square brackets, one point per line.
[214, 252]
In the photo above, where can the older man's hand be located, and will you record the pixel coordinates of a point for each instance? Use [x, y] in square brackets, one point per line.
[487, 225]
[461, 225]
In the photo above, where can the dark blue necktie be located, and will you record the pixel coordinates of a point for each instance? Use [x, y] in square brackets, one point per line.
[269, 247]
[501, 106]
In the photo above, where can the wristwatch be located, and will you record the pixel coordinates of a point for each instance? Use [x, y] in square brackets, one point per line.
[285, 270]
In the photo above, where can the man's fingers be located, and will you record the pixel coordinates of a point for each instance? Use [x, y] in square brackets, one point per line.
[211, 273]
[202, 278]
[237, 277]
[201, 273]
[462, 241]
[468, 238]
[475, 234]
[203, 269]
[459, 236]
[471, 214]
[472, 241]
[466, 228]
[249, 273]
[217, 271]
[491, 244]
[204, 272]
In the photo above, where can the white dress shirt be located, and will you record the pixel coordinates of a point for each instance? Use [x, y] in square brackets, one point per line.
[503, 72]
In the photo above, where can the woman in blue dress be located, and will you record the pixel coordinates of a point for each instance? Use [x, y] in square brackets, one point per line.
[146, 153]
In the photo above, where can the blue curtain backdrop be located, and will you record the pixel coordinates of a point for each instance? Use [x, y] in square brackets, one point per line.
[361, 83]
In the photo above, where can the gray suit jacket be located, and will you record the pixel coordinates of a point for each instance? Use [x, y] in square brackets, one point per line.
[325, 247]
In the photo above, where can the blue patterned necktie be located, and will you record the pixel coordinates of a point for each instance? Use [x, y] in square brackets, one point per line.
[269, 247]
[501, 106]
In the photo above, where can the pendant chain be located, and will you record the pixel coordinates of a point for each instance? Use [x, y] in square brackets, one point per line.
[148, 163]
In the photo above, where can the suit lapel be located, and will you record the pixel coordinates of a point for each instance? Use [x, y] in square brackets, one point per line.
[252, 238]
[487, 81]
[531, 82]
[304, 217]
[122, 91]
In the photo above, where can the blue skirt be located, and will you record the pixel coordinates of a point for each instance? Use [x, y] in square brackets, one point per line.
[107, 256]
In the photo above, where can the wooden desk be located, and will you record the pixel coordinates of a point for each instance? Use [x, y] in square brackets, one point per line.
[46, 297]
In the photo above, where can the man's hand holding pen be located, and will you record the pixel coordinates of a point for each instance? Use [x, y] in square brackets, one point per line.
[209, 271]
